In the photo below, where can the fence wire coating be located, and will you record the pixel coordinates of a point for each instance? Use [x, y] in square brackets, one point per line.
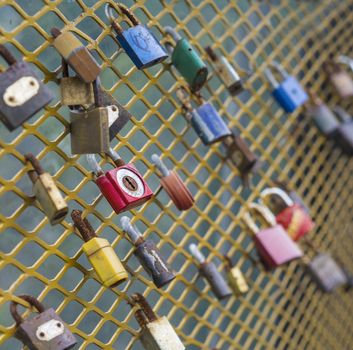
[283, 309]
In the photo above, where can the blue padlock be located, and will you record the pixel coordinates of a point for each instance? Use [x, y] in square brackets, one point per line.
[288, 93]
[139, 42]
[205, 120]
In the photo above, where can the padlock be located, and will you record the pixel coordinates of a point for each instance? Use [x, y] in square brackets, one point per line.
[339, 78]
[123, 187]
[186, 60]
[209, 271]
[156, 332]
[236, 278]
[274, 245]
[100, 253]
[148, 255]
[292, 217]
[22, 92]
[288, 93]
[226, 72]
[324, 270]
[173, 185]
[239, 153]
[76, 55]
[44, 331]
[90, 128]
[321, 114]
[139, 42]
[343, 135]
[74, 91]
[46, 192]
[205, 120]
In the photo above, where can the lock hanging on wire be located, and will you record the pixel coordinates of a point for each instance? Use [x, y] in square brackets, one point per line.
[236, 278]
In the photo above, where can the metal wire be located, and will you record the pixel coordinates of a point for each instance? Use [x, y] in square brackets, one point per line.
[284, 309]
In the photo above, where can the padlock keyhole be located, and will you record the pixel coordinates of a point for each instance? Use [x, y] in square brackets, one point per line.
[130, 183]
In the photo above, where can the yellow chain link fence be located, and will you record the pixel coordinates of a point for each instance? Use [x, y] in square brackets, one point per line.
[284, 308]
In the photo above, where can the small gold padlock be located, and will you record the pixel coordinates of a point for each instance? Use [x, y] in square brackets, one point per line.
[46, 192]
[236, 278]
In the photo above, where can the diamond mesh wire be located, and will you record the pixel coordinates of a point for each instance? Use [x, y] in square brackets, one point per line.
[284, 309]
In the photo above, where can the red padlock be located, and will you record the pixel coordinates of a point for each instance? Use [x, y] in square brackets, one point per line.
[123, 187]
[291, 216]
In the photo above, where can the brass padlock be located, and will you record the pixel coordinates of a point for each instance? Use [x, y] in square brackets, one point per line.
[90, 128]
[156, 332]
[46, 192]
[76, 55]
[74, 91]
[236, 278]
[44, 331]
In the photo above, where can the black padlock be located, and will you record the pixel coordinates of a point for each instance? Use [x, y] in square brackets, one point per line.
[22, 94]
[44, 331]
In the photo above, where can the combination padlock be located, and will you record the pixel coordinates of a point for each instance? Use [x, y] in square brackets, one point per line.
[274, 245]
[100, 253]
[123, 187]
[226, 72]
[205, 120]
[324, 270]
[44, 331]
[236, 278]
[76, 55]
[148, 255]
[156, 332]
[173, 185]
[46, 192]
[139, 42]
[339, 77]
[90, 128]
[21, 91]
[321, 114]
[74, 91]
[208, 270]
[291, 216]
[186, 60]
[288, 93]
[343, 135]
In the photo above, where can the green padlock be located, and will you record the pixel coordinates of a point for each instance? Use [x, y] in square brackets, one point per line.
[186, 60]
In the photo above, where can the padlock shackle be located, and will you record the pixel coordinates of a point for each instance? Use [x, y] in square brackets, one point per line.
[159, 164]
[7, 55]
[125, 11]
[196, 253]
[169, 47]
[314, 99]
[55, 32]
[184, 97]
[84, 227]
[228, 262]
[342, 115]
[212, 54]
[279, 68]
[343, 59]
[31, 300]
[132, 231]
[65, 68]
[92, 161]
[268, 72]
[173, 33]
[35, 164]
[140, 300]
[114, 156]
[277, 192]
[98, 101]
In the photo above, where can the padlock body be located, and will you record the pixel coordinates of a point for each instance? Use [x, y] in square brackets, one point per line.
[275, 247]
[50, 198]
[343, 83]
[326, 272]
[77, 56]
[105, 262]
[142, 46]
[160, 335]
[237, 281]
[290, 94]
[343, 137]
[177, 191]
[74, 92]
[89, 131]
[116, 187]
[153, 262]
[22, 94]
[295, 221]
[324, 119]
[208, 124]
[218, 284]
[228, 75]
[190, 65]
[45, 331]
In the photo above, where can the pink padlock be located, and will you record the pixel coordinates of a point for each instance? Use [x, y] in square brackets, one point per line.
[123, 187]
[273, 244]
